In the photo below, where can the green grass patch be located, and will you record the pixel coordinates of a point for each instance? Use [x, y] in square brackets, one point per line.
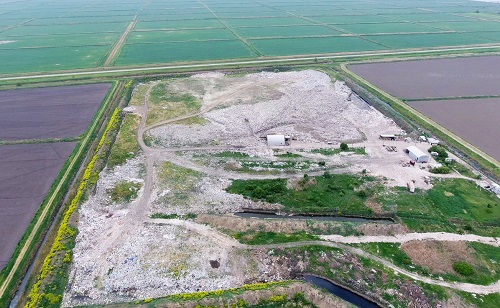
[179, 181]
[193, 121]
[165, 104]
[138, 95]
[288, 155]
[126, 145]
[332, 193]
[262, 238]
[479, 300]
[231, 154]
[124, 191]
[173, 216]
[452, 205]
[334, 151]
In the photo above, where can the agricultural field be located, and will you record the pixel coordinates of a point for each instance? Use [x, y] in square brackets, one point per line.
[462, 94]
[46, 113]
[473, 119]
[51, 36]
[431, 79]
[26, 174]
[34, 119]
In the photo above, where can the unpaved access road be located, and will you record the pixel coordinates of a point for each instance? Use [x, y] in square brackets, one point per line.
[468, 287]
[403, 238]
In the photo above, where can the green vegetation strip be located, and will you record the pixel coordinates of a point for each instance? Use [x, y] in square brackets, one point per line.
[185, 297]
[35, 297]
[452, 205]
[339, 194]
[263, 238]
[26, 247]
[126, 145]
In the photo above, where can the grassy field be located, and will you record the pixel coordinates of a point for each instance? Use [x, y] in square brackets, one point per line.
[165, 104]
[450, 206]
[330, 193]
[50, 36]
[126, 145]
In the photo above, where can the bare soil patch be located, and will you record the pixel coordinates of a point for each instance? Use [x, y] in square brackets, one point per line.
[438, 256]
[457, 77]
[52, 112]
[26, 174]
[475, 120]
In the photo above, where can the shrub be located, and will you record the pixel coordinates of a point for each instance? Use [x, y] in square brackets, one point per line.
[344, 146]
[441, 152]
[441, 170]
[463, 268]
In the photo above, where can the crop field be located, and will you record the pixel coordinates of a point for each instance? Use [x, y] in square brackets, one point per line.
[26, 174]
[47, 36]
[55, 112]
[462, 94]
[423, 79]
[27, 171]
[473, 119]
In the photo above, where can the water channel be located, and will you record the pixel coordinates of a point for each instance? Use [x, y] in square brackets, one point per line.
[249, 214]
[344, 294]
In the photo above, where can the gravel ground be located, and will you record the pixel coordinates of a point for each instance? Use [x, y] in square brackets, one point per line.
[121, 254]
[306, 110]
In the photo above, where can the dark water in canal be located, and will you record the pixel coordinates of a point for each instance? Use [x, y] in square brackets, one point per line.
[312, 217]
[344, 294]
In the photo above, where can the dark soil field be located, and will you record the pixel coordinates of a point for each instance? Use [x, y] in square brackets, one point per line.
[53, 112]
[458, 77]
[26, 174]
[475, 120]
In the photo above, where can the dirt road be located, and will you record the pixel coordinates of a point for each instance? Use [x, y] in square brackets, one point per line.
[439, 236]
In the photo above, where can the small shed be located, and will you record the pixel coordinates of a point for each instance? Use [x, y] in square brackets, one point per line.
[276, 140]
[417, 155]
[387, 137]
[433, 141]
[495, 189]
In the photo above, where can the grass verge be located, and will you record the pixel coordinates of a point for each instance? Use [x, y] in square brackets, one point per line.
[126, 145]
[262, 238]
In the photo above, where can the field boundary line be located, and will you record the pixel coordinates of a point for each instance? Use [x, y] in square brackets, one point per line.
[420, 115]
[45, 211]
[119, 44]
[228, 27]
[272, 60]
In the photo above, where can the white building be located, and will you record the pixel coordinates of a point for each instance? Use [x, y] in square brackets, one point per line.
[433, 141]
[275, 140]
[417, 155]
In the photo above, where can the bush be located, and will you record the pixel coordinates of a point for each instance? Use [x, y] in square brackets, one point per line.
[441, 170]
[463, 268]
[441, 152]
[344, 146]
